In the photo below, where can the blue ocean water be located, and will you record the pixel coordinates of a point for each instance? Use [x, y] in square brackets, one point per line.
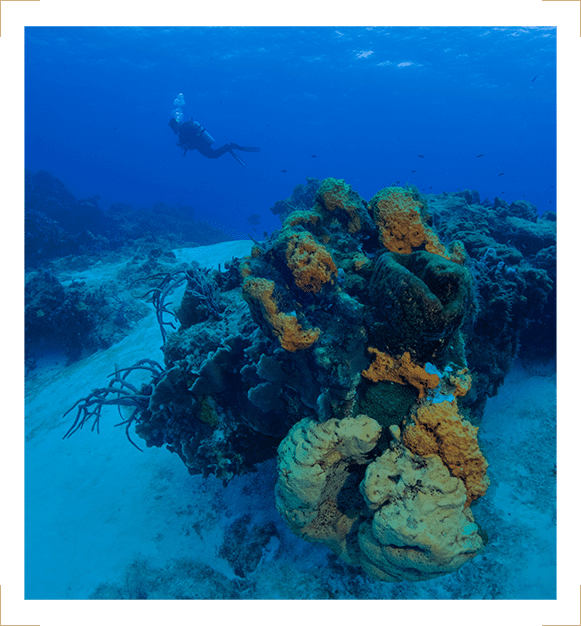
[360, 104]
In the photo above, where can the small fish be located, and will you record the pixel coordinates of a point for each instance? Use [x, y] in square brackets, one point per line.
[535, 78]
[429, 187]
[501, 193]
[501, 174]
[397, 182]
[479, 155]
[313, 156]
[283, 171]
[421, 156]
[414, 171]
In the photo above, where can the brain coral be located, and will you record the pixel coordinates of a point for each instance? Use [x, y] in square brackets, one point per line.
[408, 519]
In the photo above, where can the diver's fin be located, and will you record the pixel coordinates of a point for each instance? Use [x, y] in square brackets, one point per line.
[243, 148]
[238, 158]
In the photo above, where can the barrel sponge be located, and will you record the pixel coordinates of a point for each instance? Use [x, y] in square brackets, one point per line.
[402, 371]
[315, 492]
[421, 528]
[292, 337]
[310, 262]
[336, 194]
[419, 302]
[401, 228]
[440, 430]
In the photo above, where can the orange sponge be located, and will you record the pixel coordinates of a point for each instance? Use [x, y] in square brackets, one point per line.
[440, 430]
[310, 262]
[400, 224]
[402, 371]
[336, 194]
[285, 326]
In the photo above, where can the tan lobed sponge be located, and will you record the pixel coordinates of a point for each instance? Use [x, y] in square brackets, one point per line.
[403, 519]
[421, 528]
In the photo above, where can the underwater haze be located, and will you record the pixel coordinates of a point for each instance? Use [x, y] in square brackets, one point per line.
[370, 105]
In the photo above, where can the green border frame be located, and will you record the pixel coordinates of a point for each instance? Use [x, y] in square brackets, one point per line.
[16, 15]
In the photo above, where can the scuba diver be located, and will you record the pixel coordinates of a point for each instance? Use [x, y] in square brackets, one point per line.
[192, 136]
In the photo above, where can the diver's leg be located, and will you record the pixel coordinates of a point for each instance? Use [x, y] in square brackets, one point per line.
[235, 146]
[210, 153]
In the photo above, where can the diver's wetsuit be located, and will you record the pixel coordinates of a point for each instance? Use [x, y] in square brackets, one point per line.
[190, 139]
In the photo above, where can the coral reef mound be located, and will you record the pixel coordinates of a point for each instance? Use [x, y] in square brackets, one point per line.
[359, 343]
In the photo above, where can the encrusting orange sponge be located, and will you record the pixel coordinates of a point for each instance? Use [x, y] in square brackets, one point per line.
[462, 382]
[440, 430]
[402, 371]
[335, 194]
[286, 327]
[401, 228]
[310, 262]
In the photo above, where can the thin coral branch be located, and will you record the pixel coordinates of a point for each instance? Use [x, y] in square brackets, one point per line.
[199, 282]
[119, 392]
[169, 283]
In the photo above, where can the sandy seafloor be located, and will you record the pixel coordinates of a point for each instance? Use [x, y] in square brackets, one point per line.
[104, 520]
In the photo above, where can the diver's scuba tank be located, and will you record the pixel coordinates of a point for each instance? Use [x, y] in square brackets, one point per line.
[204, 134]
[178, 116]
